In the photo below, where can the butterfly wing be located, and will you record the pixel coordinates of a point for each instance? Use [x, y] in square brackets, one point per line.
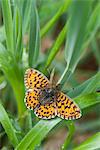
[46, 111]
[67, 108]
[35, 79]
[31, 98]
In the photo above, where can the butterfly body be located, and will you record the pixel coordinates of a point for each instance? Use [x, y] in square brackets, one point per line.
[47, 95]
[46, 99]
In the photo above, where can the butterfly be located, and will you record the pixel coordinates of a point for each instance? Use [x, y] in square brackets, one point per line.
[46, 99]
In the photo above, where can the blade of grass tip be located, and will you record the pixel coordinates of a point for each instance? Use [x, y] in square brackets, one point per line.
[89, 100]
[9, 129]
[56, 46]
[63, 9]
[8, 24]
[91, 143]
[93, 85]
[75, 36]
[34, 40]
[71, 128]
[85, 86]
[41, 129]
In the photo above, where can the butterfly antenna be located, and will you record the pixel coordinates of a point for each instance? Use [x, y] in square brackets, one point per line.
[52, 75]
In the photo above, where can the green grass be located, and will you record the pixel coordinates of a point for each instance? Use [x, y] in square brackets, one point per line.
[78, 32]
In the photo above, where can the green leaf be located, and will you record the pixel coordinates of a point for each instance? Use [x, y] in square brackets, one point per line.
[56, 46]
[8, 24]
[37, 133]
[2, 34]
[3, 55]
[10, 67]
[93, 85]
[34, 41]
[9, 129]
[63, 9]
[71, 128]
[24, 6]
[86, 87]
[92, 26]
[41, 129]
[26, 11]
[91, 143]
[75, 36]
[18, 34]
[88, 100]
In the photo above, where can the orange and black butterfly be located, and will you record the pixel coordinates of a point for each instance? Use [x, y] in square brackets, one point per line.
[47, 100]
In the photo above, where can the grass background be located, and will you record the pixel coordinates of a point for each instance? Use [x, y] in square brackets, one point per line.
[44, 35]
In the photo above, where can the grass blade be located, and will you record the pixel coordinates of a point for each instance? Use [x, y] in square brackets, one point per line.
[92, 143]
[24, 7]
[93, 85]
[56, 46]
[9, 129]
[75, 36]
[7, 16]
[70, 135]
[10, 69]
[18, 34]
[88, 100]
[2, 34]
[26, 10]
[86, 87]
[89, 27]
[93, 25]
[34, 41]
[36, 135]
[56, 17]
